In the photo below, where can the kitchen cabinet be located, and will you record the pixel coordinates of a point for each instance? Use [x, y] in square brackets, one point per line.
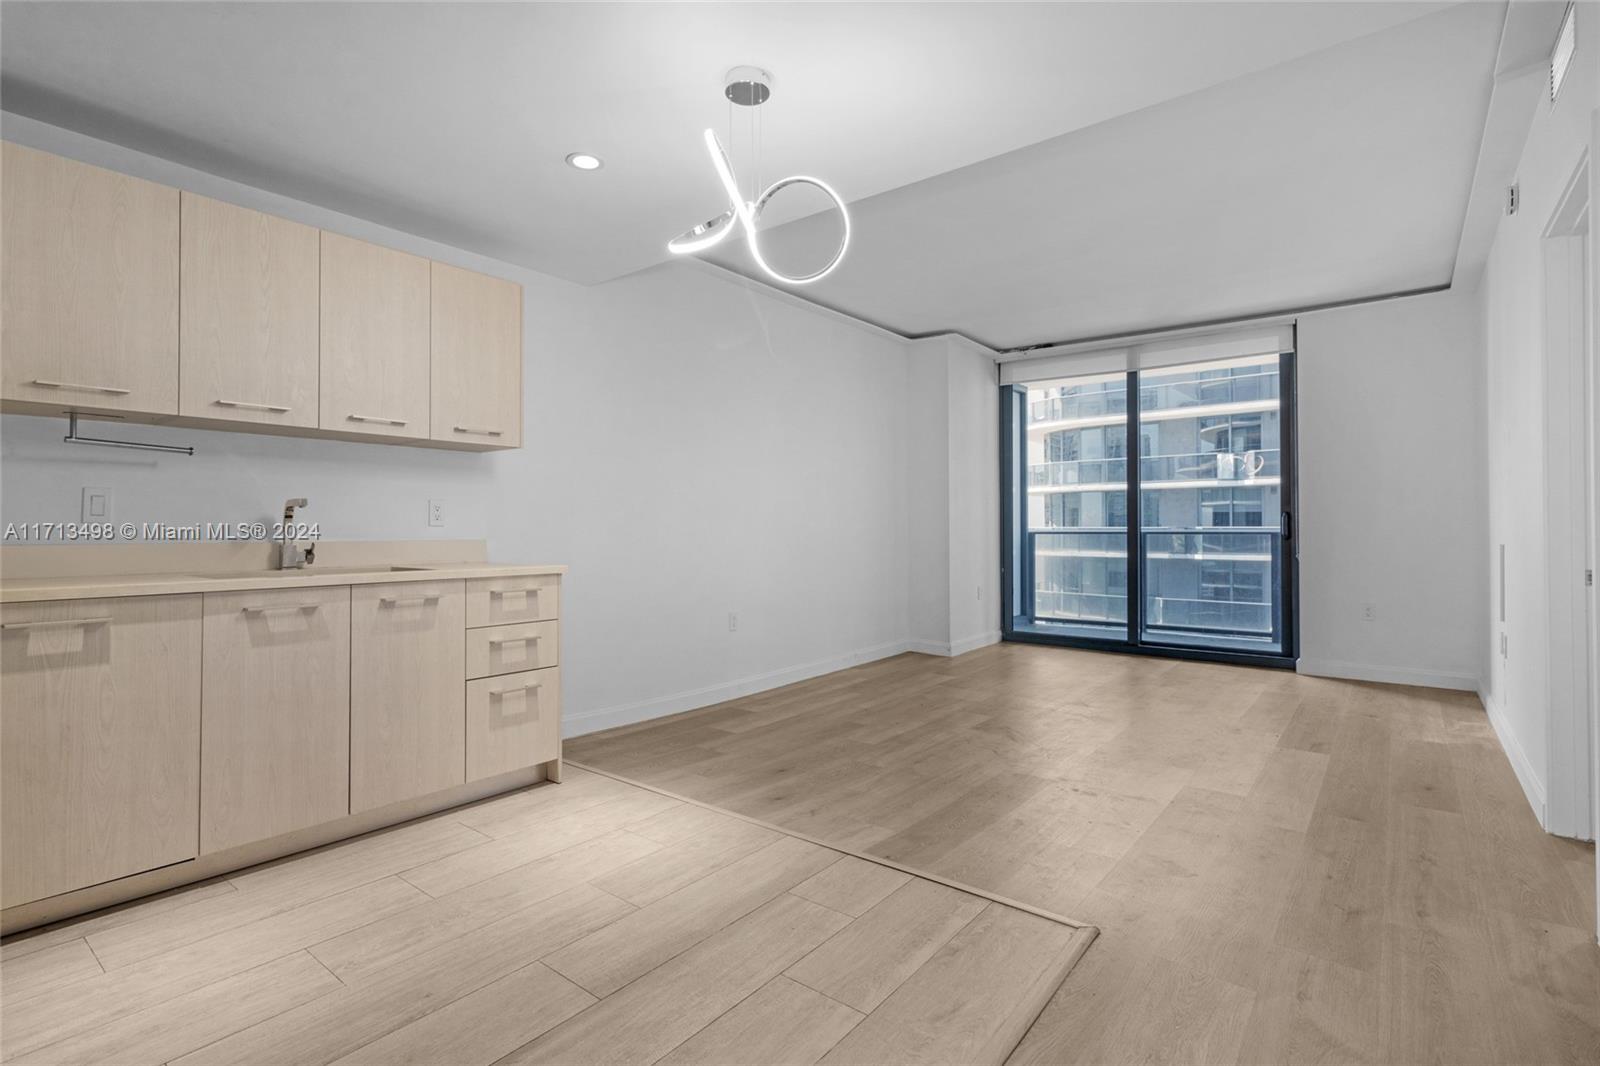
[90, 287]
[99, 740]
[248, 347]
[407, 702]
[375, 342]
[275, 754]
[477, 357]
[513, 721]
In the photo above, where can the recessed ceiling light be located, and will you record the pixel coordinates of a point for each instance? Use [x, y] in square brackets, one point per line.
[584, 161]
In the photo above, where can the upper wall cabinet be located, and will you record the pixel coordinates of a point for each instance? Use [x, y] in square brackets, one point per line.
[90, 289]
[127, 299]
[249, 339]
[477, 358]
[375, 348]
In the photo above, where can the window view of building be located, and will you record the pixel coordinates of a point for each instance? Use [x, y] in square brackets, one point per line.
[1209, 484]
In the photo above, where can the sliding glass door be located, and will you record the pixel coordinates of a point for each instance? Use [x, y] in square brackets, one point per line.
[1164, 524]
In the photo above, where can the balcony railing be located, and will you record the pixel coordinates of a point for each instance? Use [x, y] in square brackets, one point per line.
[1241, 467]
[1204, 392]
[1080, 576]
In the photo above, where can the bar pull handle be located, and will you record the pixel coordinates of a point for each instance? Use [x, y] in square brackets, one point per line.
[497, 642]
[263, 608]
[479, 432]
[406, 601]
[246, 405]
[75, 387]
[62, 623]
[512, 592]
[375, 418]
[497, 693]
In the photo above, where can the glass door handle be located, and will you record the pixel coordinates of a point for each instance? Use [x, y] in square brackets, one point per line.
[1286, 525]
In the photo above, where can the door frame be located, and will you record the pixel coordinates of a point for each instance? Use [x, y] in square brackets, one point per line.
[1569, 458]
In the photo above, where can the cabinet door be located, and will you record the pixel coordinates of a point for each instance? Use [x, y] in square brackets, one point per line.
[408, 726]
[375, 311]
[513, 722]
[275, 751]
[90, 286]
[100, 704]
[248, 345]
[477, 358]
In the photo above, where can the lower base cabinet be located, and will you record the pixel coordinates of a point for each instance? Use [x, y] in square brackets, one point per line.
[99, 739]
[275, 750]
[513, 721]
[407, 705]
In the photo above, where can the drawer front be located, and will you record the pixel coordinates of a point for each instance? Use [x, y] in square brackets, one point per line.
[407, 712]
[513, 721]
[498, 601]
[275, 738]
[100, 701]
[510, 649]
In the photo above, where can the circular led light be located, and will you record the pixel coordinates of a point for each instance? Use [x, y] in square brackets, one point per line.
[584, 161]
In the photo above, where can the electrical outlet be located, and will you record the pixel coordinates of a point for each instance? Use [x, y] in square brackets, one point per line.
[96, 505]
[435, 512]
[1369, 612]
[733, 622]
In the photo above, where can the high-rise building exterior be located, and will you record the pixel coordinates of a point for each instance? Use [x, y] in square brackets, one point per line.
[1209, 501]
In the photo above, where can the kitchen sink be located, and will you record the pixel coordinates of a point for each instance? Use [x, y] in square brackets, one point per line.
[312, 571]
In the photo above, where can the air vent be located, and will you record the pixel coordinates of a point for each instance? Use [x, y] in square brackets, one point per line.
[1566, 45]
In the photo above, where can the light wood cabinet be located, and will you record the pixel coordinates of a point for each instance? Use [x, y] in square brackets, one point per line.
[498, 601]
[407, 704]
[100, 735]
[477, 357]
[375, 344]
[512, 649]
[248, 349]
[90, 286]
[513, 721]
[275, 754]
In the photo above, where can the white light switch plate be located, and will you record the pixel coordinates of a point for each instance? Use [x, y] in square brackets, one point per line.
[96, 505]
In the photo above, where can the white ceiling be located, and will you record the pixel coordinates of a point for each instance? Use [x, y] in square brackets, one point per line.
[1018, 172]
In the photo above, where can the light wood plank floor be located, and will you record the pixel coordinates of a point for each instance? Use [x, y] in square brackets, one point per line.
[592, 921]
[1283, 868]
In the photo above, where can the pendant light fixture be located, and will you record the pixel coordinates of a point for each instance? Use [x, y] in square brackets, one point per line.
[751, 87]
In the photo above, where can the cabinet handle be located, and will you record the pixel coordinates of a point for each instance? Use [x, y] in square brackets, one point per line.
[497, 693]
[112, 389]
[508, 592]
[499, 641]
[263, 608]
[403, 601]
[375, 418]
[479, 432]
[59, 624]
[254, 406]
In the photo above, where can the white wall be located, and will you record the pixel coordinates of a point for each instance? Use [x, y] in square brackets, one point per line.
[693, 446]
[1391, 512]
[1516, 686]
[953, 508]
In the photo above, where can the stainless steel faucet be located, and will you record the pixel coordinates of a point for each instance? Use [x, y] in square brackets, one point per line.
[290, 555]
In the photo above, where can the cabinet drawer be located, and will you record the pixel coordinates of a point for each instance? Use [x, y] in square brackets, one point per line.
[407, 721]
[498, 601]
[100, 701]
[275, 747]
[508, 649]
[513, 721]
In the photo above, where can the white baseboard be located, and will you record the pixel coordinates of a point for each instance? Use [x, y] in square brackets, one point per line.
[576, 725]
[1391, 675]
[1532, 787]
[958, 647]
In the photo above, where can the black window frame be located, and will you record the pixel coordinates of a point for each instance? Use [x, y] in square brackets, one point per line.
[1016, 565]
